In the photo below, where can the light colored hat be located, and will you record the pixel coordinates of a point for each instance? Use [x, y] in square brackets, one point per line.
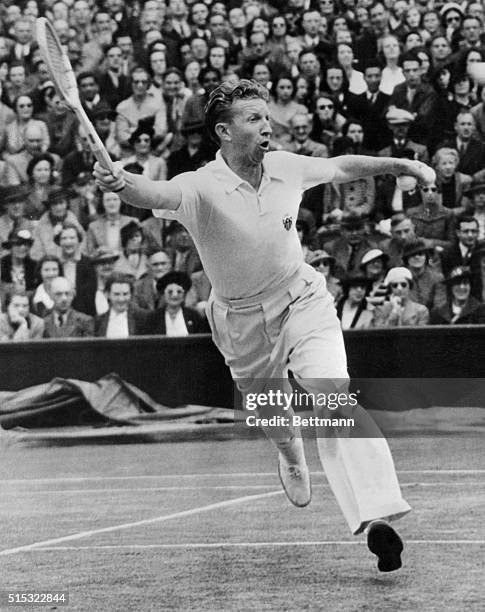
[371, 255]
[396, 274]
[395, 116]
[451, 6]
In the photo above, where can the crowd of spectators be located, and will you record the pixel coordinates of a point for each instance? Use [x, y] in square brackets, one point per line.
[402, 78]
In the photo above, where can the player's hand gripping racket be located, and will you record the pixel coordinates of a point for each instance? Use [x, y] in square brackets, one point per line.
[63, 76]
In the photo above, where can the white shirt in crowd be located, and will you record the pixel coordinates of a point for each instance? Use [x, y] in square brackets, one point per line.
[175, 326]
[117, 325]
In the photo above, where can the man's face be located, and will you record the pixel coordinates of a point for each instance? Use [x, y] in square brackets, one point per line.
[20, 305]
[430, 195]
[258, 43]
[390, 47]
[114, 58]
[62, 294]
[335, 78]
[372, 78]
[471, 30]
[88, 88]
[237, 19]
[309, 64]
[103, 23]
[461, 290]
[412, 72]
[126, 46]
[354, 234]
[172, 84]
[23, 32]
[479, 200]
[356, 133]
[140, 83]
[217, 57]
[440, 48]
[158, 62]
[327, 7]
[404, 232]
[199, 49]
[300, 128]
[431, 23]
[159, 264]
[111, 203]
[178, 9]
[378, 17]
[81, 12]
[217, 25]
[467, 233]
[464, 126]
[119, 296]
[17, 75]
[325, 109]
[311, 23]
[199, 14]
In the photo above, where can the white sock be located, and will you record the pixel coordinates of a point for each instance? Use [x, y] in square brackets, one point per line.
[292, 450]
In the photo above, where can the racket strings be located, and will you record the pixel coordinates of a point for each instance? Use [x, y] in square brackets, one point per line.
[57, 62]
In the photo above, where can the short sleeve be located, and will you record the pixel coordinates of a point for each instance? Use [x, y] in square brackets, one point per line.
[189, 203]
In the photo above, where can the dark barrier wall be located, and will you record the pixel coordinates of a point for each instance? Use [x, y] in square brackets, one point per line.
[177, 371]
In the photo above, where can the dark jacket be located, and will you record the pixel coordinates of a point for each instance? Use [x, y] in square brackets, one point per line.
[193, 321]
[86, 286]
[473, 312]
[76, 325]
[376, 131]
[6, 272]
[137, 322]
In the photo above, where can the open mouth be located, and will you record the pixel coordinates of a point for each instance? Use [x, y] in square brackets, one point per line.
[264, 144]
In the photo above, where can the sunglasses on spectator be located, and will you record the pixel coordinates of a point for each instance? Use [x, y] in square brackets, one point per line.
[402, 284]
[433, 189]
[175, 291]
[143, 139]
[450, 19]
[27, 105]
[323, 106]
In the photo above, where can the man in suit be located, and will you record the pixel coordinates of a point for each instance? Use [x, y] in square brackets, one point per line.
[311, 23]
[462, 251]
[112, 82]
[146, 295]
[123, 319]
[471, 151]
[370, 107]
[300, 127]
[399, 121]
[63, 321]
[349, 249]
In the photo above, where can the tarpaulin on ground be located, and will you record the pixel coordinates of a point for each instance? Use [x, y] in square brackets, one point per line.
[108, 401]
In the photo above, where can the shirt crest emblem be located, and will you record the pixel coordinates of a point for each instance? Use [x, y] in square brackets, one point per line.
[287, 222]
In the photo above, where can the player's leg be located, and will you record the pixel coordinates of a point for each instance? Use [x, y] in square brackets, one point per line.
[357, 461]
[240, 334]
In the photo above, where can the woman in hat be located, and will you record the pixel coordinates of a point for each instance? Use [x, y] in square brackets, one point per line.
[327, 122]
[141, 140]
[461, 307]
[133, 259]
[374, 267]
[427, 286]
[193, 154]
[174, 318]
[352, 307]
[17, 324]
[51, 222]
[13, 199]
[105, 230]
[17, 269]
[48, 268]
[324, 263]
[282, 107]
[400, 310]
[41, 173]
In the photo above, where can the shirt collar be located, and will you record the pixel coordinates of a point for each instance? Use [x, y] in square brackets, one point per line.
[232, 181]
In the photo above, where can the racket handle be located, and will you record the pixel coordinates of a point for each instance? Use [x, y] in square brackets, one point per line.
[95, 143]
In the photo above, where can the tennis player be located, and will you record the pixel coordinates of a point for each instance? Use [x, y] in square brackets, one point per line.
[270, 313]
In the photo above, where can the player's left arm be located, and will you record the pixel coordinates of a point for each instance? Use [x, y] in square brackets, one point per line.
[352, 167]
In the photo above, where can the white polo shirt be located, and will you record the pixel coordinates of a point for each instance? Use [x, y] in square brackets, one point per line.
[246, 239]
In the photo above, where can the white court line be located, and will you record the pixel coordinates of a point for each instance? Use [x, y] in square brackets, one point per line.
[205, 475]
[225, 487]
[156, 519]
[192, 545]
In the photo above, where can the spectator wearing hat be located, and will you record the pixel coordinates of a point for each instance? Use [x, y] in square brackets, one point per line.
[431, 219]
[132, 260]
[64, 321]
[462, 250]
[400, 310]
[476, 197]
[123, 319]
[17, 324]
[103, 260]
[374, 267]
[103, 117]
[461, 307]
[427, 286]
[174, 318]
[415, 97]
[17, 268]
[453, 183]
[141, 140]
[51, 221]
[349, 249]
[352, 306]
[77, 268]
[399, 121]
[13, 199]
[106, 229]
[146, 295]
[193, 154]
[48, 268]
[324, 263]
[182, 251]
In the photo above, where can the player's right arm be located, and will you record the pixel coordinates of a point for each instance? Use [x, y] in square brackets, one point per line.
[137, 190]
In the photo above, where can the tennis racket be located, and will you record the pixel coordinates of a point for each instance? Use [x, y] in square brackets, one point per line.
[63, 77]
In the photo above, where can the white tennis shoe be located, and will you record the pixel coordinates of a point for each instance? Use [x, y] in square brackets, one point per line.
[295, 480]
